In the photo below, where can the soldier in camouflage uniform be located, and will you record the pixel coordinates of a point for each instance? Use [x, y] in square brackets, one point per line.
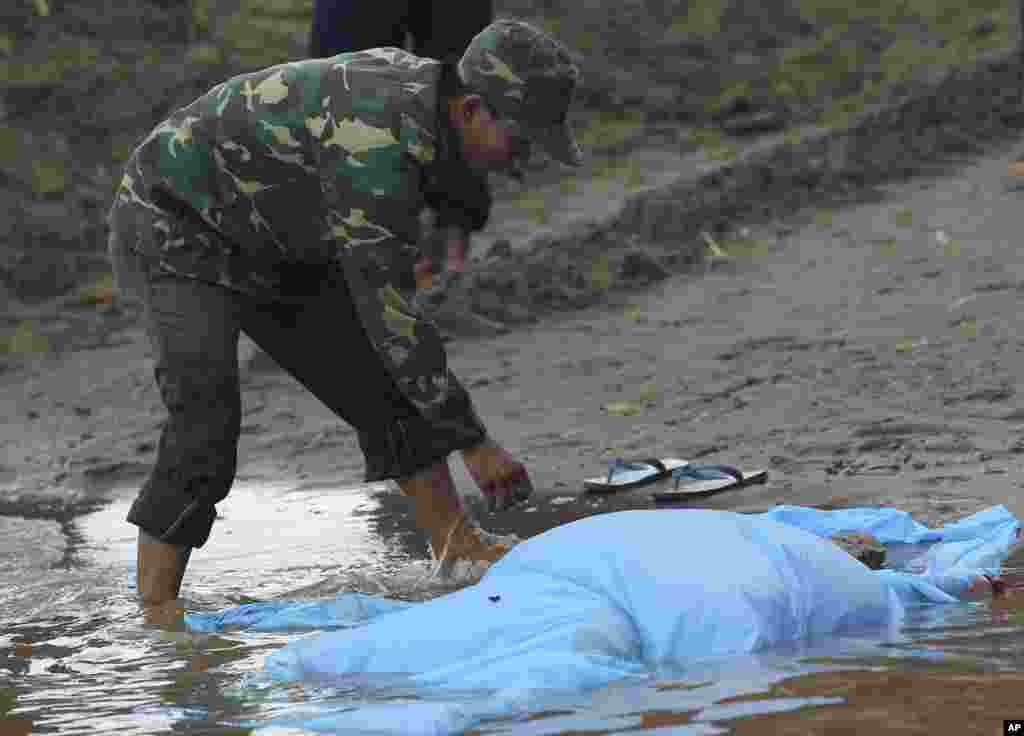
[285, 203]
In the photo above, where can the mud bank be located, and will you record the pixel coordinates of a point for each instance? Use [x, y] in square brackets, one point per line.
[645, 237]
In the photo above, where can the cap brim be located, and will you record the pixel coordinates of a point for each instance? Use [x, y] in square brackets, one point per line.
[558, 143]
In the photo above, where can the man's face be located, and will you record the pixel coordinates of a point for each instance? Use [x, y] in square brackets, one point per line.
[489, 143]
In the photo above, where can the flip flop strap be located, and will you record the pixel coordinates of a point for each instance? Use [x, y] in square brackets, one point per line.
[618, 463]
[706, 472]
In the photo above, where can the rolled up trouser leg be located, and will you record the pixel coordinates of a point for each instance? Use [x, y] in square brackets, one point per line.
[398, 443]
[194, 329]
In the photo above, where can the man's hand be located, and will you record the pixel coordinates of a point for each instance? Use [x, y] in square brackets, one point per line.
[501, 478]
[456, 246]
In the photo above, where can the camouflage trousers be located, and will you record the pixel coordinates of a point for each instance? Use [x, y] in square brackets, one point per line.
[194, 329]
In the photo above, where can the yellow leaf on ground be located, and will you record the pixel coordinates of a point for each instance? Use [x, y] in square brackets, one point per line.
[600, 272]
[42, 7]
[26, 340]
[622, 408]
[648, 392]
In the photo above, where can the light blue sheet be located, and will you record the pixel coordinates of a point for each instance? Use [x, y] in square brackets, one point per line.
[620, 595]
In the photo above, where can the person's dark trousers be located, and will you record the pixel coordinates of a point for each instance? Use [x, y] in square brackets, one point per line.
[194, 327]
[438, 29]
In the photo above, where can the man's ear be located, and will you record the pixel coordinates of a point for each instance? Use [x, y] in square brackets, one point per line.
[464, 108]
[472, 105]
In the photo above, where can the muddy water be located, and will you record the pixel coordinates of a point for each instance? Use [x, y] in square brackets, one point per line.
[76, 655]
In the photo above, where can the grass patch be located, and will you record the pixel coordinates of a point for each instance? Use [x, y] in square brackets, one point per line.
[201, 15]
[9, 144]
[24, 340]
[294, 9]
[729, 95]
[204, 53]
[903, 216]
[887, 246]
[625, 170]
[261, 40]
[793, 136]
[622, 408]
[534, 204]
[648, 392]
[745, 245]
[610, 128]
[950, 246]
[63, 61]
[714, 145]
[702, 17]
[568, 185]
[824, 216]
[905, 345]
[49, 176]
[968, 327]
[601, 272]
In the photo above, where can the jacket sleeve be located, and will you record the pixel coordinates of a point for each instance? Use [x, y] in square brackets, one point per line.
[373, 197]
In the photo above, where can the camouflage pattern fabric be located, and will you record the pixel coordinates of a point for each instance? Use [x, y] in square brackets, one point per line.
[528, 77]
[310, 163]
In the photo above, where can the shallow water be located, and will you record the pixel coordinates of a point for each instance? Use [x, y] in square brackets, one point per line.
[76, 655]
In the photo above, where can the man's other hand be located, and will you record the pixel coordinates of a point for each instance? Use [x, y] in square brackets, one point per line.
[501, 478]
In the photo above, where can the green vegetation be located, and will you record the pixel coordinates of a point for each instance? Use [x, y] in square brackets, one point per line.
[204, 53]
[714, 144]
[263, 33]
[63, 61]
[24, 339]
[903, 216]
[9, 146]
[48, 176]
[8, 699]
[887, 246]
[45, 175]
[600, 272]
[201, 16]
[622, 408]
[295, 9]
[610, 128]
[968, 327]
[838, 64]
[701, 17]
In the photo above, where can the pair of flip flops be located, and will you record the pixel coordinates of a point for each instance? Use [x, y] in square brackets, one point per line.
[692, 480]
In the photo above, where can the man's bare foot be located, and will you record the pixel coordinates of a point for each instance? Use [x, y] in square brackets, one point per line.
[440, 513]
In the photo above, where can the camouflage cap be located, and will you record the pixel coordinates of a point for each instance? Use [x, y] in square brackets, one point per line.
[529, 77]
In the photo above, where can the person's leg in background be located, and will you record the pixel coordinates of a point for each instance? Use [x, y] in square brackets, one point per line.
[397, 442]
[340, 26]
[439, 30]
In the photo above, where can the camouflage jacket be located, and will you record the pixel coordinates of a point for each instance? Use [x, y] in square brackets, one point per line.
[308, 164]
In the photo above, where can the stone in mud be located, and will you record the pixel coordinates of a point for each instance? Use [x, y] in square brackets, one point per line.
[500, 249]
[765, 121]
[863, 547]
[638, 266]
[889, 429]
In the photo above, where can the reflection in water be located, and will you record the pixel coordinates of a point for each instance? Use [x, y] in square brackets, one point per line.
[77, 656]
